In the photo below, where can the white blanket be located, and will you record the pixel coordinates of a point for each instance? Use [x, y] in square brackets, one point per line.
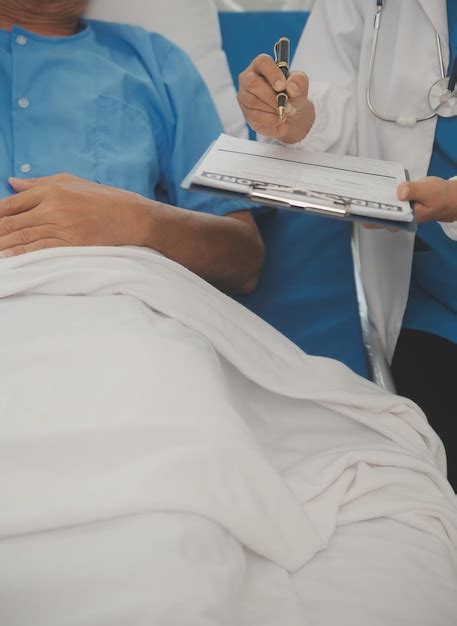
[161, 444]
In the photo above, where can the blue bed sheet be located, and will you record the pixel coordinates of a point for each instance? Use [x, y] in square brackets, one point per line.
[307, 290]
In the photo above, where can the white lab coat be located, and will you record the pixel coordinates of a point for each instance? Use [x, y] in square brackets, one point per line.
[335, 52]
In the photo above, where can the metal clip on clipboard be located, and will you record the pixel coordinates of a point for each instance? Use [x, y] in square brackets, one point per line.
[298, 199]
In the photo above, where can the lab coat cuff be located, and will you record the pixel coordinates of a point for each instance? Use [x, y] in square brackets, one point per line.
[450, 229]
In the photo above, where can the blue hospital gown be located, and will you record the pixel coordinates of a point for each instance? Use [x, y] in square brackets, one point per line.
[113, 104]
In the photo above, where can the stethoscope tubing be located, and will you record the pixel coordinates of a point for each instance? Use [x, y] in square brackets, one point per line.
[374, 50]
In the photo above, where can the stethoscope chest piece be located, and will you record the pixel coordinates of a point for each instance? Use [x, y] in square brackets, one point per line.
[443, 101]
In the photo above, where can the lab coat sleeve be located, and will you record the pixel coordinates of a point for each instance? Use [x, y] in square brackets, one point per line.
[329, 52]
[450, 228]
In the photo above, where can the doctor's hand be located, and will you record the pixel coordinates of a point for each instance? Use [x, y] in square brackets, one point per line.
[64, 210]
[260, 83]
[435, 199]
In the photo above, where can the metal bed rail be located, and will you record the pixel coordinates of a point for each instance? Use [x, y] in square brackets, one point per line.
[380, 372]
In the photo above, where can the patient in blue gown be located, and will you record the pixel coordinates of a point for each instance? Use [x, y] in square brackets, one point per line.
[100, 124]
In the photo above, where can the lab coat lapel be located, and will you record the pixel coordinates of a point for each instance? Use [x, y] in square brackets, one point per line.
[436, 11]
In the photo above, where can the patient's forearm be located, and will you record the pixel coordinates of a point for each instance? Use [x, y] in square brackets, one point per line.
[64, 210]
[226, 251]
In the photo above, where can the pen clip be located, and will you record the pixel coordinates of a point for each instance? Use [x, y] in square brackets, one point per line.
[275, 51]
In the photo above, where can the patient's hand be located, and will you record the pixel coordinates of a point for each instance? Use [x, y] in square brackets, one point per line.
[64, 210]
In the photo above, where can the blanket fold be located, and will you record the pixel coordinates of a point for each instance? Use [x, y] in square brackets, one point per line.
[129, 385]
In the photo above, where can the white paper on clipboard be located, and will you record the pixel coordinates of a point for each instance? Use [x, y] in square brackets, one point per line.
[298, 179]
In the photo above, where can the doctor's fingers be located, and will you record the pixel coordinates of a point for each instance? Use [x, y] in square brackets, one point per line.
[267, 124]
[426, 213]
[264, 66]
[298, 85]
[371, 226]
[255, 90]
[253, 107]
[423, 213]
[21, 202]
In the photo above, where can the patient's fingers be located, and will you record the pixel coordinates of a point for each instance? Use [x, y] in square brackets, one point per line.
[12, 223]
[23, 184]
[40, 244]
[24, 201]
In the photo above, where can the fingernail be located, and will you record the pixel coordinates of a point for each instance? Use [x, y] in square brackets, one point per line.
[280, 85]
[5, 254]
[293, 89]
[16, 181]
[404, 192]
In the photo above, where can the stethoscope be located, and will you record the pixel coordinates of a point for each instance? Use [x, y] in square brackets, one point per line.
[442, 96]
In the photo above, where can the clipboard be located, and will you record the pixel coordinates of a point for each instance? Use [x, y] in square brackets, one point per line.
[302, 201]
[269, 197]
[284, 197]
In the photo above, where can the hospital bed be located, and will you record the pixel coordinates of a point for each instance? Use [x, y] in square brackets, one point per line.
[298, 487]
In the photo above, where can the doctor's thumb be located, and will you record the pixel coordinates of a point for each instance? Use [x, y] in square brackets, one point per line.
[404, 191]
[298, 85]
[418, 191]
[430, 191]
